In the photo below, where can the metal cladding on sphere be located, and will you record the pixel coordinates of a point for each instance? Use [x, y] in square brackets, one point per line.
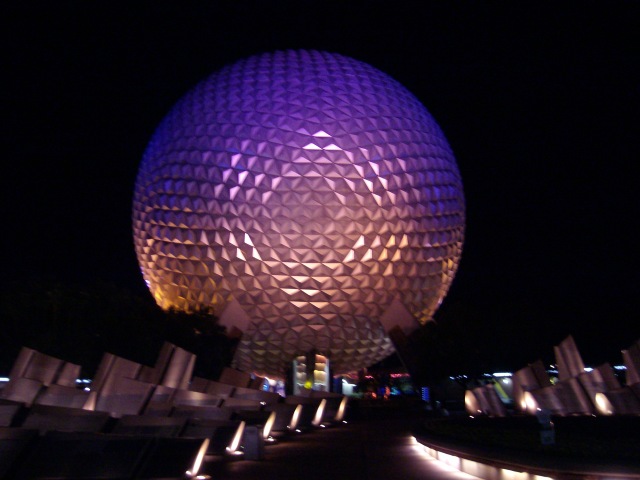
[311, 189]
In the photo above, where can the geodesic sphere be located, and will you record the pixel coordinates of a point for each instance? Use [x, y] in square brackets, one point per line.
[310, 189]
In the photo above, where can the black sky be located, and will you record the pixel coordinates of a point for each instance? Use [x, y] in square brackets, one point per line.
[539, 101]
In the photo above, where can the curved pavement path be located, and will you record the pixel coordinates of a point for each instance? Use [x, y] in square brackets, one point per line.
[369, 447]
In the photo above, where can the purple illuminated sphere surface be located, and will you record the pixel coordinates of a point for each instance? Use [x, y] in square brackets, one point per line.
[299, 194]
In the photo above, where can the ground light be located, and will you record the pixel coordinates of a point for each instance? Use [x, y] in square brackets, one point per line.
[477, 469]
[341, 409]
[603, 404]
[232, 449]
[317, 420]
[268, 425]
[197, 463]
[529, 403]
[294, 419]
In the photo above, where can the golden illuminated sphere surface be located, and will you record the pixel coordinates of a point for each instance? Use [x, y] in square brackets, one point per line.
[311, 190]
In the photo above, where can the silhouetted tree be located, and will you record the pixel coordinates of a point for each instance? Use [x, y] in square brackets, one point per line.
[79, 323]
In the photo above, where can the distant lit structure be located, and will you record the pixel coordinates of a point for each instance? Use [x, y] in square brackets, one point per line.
[301, 195]
[567, 388]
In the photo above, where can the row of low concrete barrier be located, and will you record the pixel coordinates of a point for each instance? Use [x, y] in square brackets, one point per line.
[577, 392]
[49, 423]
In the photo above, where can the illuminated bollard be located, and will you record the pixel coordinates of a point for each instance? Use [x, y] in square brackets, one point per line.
[253, 443]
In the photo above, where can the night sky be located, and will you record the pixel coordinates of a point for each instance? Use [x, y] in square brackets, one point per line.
[539, 101]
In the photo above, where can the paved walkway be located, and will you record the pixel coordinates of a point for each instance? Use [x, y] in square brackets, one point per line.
[369, 447]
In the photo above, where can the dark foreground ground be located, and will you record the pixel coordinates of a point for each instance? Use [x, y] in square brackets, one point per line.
[377, 443]
[583, 438]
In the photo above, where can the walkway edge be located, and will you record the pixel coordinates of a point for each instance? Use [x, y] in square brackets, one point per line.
[481, 465]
